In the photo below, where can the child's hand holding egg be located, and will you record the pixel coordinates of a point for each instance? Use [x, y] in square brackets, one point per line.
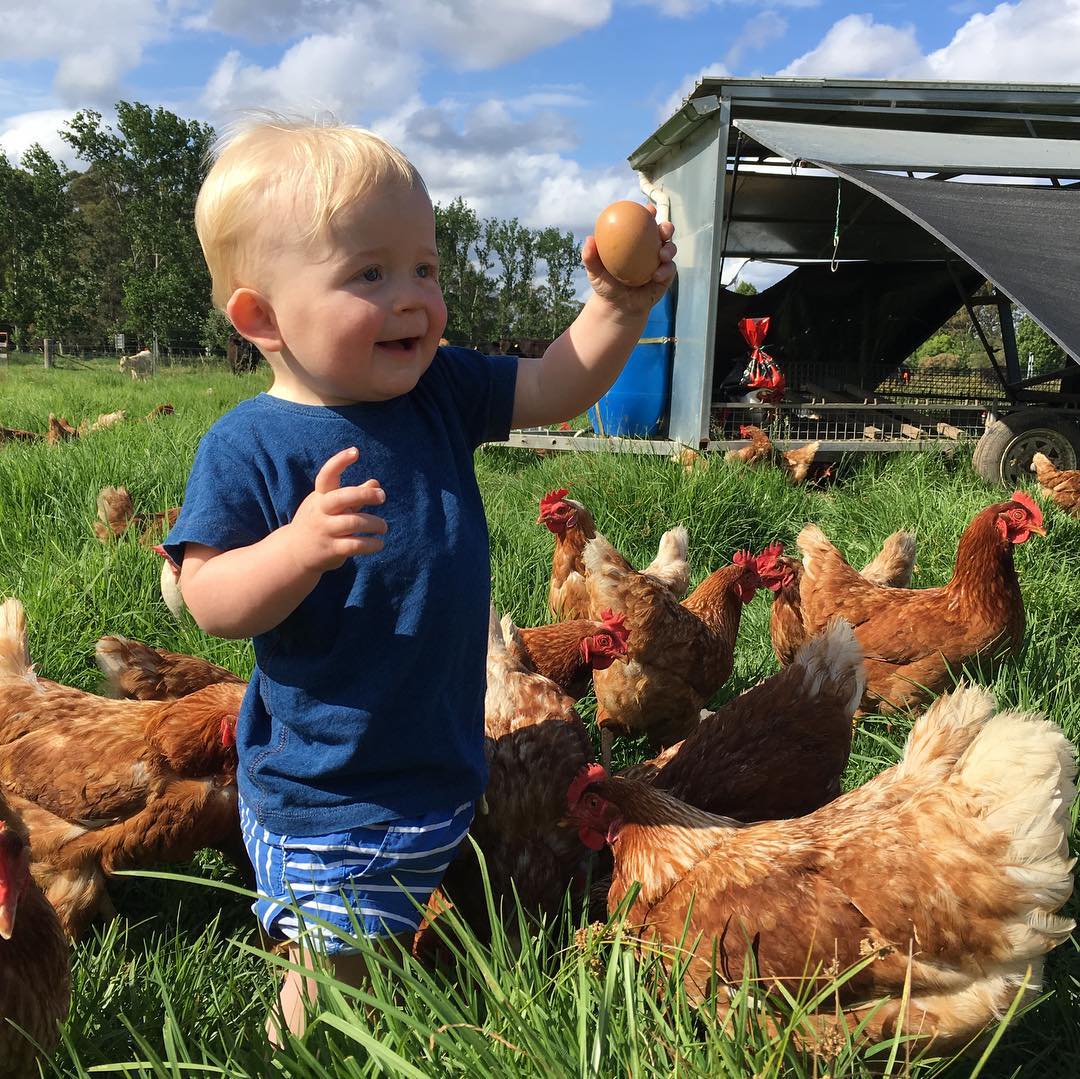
[629, 257]
[628, 242]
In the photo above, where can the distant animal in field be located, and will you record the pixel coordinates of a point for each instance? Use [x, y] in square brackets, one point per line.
[139, 365]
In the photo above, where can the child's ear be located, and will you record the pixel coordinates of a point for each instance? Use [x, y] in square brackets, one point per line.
[250, 312]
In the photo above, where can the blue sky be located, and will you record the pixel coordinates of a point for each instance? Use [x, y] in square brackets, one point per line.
[526, 108]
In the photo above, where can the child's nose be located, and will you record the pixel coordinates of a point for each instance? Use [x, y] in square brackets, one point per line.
[409, 298]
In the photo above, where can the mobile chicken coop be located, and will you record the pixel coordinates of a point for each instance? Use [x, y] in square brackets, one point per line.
[894, 205]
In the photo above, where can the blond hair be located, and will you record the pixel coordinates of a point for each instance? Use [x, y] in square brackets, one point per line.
[320, 168]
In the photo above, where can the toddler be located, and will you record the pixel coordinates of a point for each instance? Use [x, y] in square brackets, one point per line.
[336, 520]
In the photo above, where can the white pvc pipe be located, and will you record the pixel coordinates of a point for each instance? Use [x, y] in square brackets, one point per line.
[658, 195]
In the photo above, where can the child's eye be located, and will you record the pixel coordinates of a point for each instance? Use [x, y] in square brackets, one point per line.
[371, 273]
[425, 269]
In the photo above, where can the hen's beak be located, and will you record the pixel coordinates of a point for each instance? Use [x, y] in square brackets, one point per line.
[1037, 529]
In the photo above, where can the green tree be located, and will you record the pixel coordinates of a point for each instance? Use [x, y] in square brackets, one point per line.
[152, 167]
[515, 248]
[102, 256]
[17, 227]
[746, 288]
[1032, 340]
[562, 257]
[39, 241]
[52, 262]
[465, 258]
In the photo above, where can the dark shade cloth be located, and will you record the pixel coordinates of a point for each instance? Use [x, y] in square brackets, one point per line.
[1026, 240]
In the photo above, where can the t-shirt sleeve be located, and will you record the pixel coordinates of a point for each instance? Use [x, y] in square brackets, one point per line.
[226, 501]
[483, 387]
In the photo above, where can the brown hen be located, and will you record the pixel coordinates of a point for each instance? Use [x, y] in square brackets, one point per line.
[796, 463]
[572, 525]
[534, 740]
[568, 652]
[137, 783]
[890, 568]
[1061, 486]
[138, 672]
[777, 750]
[914, 639]
[35, 966]
[678, 655]
[116, 514]
[947, 871]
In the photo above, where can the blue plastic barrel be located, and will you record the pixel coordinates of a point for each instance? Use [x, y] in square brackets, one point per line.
[640, 400]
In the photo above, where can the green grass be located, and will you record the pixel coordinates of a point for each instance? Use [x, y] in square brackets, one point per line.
[177, 985]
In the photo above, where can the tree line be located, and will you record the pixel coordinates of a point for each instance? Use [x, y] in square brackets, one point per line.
[86, 254]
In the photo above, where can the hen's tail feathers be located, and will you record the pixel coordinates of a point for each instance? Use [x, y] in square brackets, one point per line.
[14, 653]
[670, 567]
[505, 647]
[116, 656]
[816, 550]
[832, 665]
[941, 736]
[601, 559]
[1020, 771]
[893, 565]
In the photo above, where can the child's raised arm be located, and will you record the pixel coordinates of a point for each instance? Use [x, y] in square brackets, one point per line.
[581, 365]
[249, 590]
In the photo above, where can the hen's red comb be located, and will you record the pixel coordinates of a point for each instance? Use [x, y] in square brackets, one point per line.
[615, 624]
[1022, 498]
[553, 498]
[744, 431]
[591, 773]
[742, 558]
[769, 556]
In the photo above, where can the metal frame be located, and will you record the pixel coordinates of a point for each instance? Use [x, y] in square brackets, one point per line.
[711, 116]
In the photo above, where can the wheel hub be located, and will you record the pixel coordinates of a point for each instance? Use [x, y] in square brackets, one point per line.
[1016, 461]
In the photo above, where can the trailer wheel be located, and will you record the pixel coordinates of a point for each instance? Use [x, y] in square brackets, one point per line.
[1003, 455]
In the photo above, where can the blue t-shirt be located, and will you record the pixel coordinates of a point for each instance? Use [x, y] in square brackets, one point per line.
[367, 702]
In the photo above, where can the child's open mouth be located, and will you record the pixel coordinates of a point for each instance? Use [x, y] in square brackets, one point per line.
[402, 344]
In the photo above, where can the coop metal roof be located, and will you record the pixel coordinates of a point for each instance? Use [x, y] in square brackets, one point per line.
[917, 151]
[1021, 110]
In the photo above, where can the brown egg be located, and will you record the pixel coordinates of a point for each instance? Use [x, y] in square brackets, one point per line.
[628, 242]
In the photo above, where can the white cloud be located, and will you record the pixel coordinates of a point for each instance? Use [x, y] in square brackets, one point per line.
[499, 164]
[344, 72]
[686, 87]
[763, 29]
[93, 43]
[679, 9]
[1026, 41]
[857, 47]
[1030, 41]
[18, 133]
[470, 34]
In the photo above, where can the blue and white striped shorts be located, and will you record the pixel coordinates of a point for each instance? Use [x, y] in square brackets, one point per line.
[371, 881]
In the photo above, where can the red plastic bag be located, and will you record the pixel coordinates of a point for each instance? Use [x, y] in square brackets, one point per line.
[762, 372]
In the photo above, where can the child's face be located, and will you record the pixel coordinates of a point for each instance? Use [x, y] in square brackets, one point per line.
[359, 312]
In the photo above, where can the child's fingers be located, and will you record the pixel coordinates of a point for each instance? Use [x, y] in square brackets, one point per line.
[352, 545]
[329, 477]
[349, 499]
[350, 524]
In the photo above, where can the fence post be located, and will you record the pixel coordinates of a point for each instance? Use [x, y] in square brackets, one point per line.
[48, 350]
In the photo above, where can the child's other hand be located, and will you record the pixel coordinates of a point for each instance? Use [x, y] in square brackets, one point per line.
[328, 527]
[626, 298]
